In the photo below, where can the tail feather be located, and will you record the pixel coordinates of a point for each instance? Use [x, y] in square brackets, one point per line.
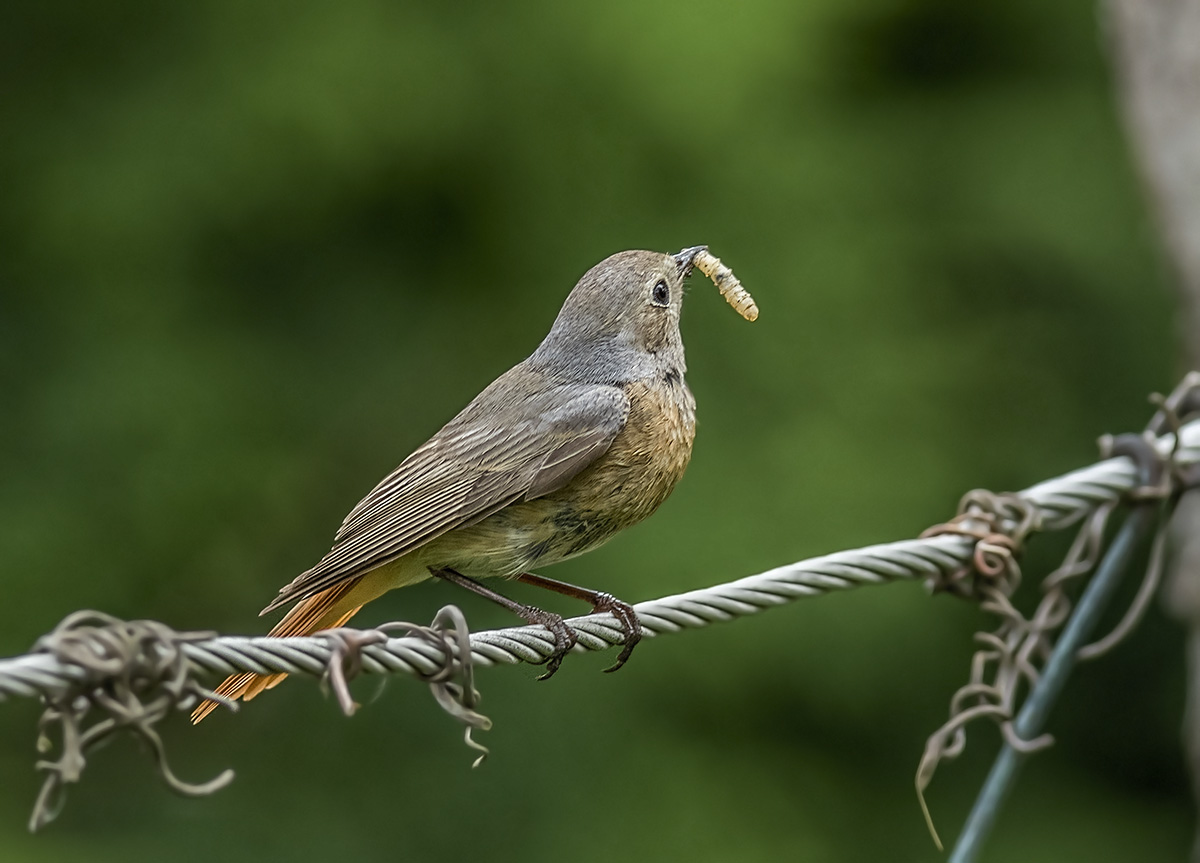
[325, 610]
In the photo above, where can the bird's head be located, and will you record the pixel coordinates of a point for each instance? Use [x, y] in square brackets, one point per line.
[621, 321]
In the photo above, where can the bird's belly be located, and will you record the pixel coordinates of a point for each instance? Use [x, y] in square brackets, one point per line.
[619, 489]
[518, 538]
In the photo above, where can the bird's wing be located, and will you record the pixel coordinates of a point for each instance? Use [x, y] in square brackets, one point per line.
[476, 465]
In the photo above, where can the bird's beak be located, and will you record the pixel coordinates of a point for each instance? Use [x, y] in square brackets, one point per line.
[685, 259]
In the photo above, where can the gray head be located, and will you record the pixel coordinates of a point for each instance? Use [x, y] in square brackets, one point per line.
[621, 322]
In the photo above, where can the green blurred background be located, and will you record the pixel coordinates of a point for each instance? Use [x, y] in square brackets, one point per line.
[253, 254]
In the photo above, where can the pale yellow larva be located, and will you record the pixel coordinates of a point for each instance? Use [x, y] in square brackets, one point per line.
[727, 283]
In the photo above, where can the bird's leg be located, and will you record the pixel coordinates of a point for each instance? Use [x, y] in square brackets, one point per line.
[564, 638]
[600, 603]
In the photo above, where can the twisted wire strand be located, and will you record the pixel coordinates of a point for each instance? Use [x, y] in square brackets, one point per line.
[1060, 502]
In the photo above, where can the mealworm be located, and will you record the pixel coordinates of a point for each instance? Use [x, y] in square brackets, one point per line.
[727, 283]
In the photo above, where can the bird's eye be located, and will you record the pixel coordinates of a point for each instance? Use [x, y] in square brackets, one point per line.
[661, 295]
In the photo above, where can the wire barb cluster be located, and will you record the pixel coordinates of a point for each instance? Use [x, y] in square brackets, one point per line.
[133, 673]
[1011, 657]
[444, 655]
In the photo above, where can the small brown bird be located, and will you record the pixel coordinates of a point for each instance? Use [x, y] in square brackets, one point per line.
[582, 439]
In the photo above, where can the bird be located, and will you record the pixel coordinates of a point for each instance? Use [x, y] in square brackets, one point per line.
[582, 439]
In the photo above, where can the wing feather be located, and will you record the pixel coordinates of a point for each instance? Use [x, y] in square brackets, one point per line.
[499, 450]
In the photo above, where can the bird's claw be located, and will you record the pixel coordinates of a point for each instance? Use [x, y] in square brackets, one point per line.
[628, 620]
[564, 638]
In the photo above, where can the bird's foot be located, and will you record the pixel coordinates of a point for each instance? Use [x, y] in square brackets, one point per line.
[564, 636]
[627, 618]
[601, 603]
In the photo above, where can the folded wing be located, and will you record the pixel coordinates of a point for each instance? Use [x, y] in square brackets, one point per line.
[489, 456]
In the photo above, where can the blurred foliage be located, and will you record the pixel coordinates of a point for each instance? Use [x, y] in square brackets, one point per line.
[252, 254]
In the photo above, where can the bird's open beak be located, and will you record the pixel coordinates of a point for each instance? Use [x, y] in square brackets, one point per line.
[685, 259]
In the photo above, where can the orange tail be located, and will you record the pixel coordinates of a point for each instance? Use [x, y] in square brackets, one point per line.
[325, 610]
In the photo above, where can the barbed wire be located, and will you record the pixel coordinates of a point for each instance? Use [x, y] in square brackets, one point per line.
[1011, 657]
[1059, 503]
[155, 667]
[1036, 653]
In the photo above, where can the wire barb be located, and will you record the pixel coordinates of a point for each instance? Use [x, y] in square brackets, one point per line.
[998, 524]
[453, 685]
[133, 673]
